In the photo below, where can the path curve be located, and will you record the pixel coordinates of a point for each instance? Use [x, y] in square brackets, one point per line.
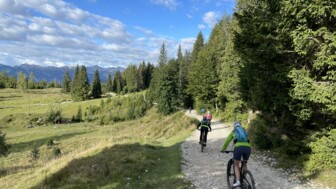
[207, 170]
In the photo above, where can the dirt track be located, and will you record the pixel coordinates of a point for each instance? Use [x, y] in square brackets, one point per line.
[207, 170]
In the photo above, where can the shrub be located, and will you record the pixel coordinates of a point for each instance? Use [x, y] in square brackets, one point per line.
[53, 113]
[57, 152]
[4, 147]
[323, 155]
[50, 142]
[35, 153]
[79, 116]
[258, 133]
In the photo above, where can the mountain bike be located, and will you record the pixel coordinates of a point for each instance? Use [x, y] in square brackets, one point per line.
[246, 177]
[203, 143]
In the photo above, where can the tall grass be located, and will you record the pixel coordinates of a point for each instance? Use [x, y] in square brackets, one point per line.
[140, 153]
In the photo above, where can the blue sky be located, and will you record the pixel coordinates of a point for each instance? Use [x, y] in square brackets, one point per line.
[102, 32]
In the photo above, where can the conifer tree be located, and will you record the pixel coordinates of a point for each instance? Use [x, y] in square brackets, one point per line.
[117, 82]
[96, 86]
[142, 70]
[168, 97]
[75, 85]
[148, 76]
[131, 77]
[163, 58]
[66, 83]
[198, 46]
[84, 84]
[3, 79]
[109, 83]
[154, 86]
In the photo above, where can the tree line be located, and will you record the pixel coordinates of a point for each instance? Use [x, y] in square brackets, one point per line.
[277, 58]
[133, 79]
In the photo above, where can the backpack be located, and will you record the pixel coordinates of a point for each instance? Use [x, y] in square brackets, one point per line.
[204, 122]
[241, 135]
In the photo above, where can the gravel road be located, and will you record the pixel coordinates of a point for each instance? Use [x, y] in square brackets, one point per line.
[207, 170]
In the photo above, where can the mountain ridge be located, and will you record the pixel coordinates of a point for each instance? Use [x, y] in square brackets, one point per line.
[53, 73]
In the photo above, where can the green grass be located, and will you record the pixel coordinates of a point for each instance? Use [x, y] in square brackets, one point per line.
[142, 153]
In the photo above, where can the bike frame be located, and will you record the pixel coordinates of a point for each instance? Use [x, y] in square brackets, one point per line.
[243, 180]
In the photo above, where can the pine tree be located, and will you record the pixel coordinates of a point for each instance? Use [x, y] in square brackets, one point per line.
[154, 86]
[163, 58]
[142, 70]
[84, 84]
[96, 86]
[75, 85]
[118, 82]
[198, 46]
[131, 77]
[148, 76]
[109, 83]
[168, 97]
[3, 79]
[66, 83]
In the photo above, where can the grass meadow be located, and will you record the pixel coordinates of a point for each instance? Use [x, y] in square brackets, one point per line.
[140, 153]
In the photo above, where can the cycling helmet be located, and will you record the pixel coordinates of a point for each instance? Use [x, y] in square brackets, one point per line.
[236, 123]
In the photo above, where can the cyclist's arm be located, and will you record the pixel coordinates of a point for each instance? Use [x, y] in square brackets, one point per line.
[209, 127]
[199, 124]
[227, 141]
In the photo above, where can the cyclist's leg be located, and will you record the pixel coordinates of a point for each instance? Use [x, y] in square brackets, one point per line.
[206, 134]
[237, 171]
[246, 156]
[237, 155]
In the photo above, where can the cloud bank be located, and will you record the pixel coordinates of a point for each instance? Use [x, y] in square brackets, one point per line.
[48, 32]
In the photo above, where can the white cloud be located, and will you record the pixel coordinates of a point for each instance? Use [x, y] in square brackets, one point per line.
[48, 32]
[189, 16]
[144, 30]
[170, 4]
[210, 18]
[187, 44]
[201, 26]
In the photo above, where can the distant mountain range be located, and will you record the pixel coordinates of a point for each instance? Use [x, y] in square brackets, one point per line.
[51, 73]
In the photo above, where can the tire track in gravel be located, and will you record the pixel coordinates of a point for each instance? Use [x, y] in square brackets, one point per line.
[207, 170]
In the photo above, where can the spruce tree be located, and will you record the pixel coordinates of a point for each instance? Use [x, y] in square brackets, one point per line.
[198, 46]
[109, 83]
[148, 76]
[142, 70]
[163, 58]
[75, 85]
[66, 83]
[131, 77]
[96, 86]
[168, 97]
[117, 82]
[84, 84]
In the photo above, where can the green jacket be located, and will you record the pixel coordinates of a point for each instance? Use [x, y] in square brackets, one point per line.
[231, 137]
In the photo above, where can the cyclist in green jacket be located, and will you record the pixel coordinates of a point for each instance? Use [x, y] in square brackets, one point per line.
[242, 149]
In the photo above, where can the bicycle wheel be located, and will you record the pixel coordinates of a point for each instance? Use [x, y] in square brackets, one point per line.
[203, 142]
[230, 173]
[248, 180]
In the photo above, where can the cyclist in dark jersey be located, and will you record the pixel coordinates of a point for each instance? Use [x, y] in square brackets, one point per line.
[205, 126]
